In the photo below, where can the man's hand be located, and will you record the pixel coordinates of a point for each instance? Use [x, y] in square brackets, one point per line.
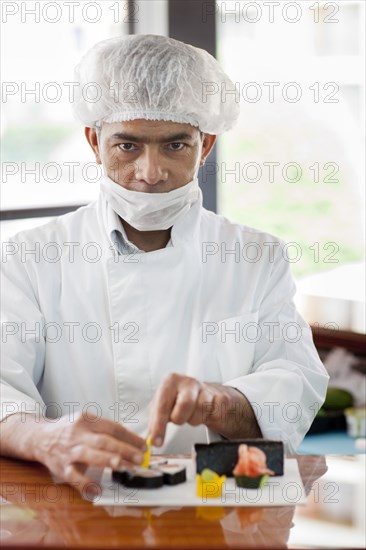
[68, 447]
[182, 399]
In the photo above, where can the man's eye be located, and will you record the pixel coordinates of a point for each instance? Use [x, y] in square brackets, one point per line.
[127, 146]
[176, 146]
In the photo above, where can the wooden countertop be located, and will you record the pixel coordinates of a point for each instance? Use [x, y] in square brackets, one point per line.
[36, 512]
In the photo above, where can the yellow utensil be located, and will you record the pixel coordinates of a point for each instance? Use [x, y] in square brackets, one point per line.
[145, 462]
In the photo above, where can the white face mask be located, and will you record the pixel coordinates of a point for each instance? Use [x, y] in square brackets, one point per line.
[149, 211]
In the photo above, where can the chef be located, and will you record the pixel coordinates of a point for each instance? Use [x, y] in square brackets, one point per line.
[143, 313]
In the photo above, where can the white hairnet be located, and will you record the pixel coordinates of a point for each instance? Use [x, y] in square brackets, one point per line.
[155, 78]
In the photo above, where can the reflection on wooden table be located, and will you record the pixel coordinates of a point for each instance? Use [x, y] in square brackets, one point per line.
[37, 512]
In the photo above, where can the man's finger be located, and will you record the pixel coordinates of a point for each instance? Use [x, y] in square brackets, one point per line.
[101, 459]
[119, 432]
[162, 408]
[185, 404]
[208, 404]
[87, 487]
[110, 444]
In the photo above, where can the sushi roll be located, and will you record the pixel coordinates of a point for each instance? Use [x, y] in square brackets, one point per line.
[222, 456]
[173, 474]
[139, 478]
[251, 470]
[119, 475]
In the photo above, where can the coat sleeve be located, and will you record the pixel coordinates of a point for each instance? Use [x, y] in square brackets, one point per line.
[287, 382]
[22, 340]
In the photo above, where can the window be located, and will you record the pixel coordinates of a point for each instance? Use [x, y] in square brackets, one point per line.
[46, 161]
[292, 166]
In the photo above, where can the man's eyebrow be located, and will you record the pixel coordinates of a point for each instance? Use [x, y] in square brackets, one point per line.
[165, 139]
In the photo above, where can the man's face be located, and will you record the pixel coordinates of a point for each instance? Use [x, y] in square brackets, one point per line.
[150, 156]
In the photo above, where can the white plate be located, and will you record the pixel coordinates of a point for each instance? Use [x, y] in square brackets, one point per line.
[286, 490]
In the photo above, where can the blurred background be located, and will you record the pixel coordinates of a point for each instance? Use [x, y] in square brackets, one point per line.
[293, 166]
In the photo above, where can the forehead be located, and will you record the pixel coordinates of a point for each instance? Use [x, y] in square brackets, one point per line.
[152, 129]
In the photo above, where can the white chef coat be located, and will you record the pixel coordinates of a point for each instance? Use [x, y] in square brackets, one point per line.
[87, 328]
